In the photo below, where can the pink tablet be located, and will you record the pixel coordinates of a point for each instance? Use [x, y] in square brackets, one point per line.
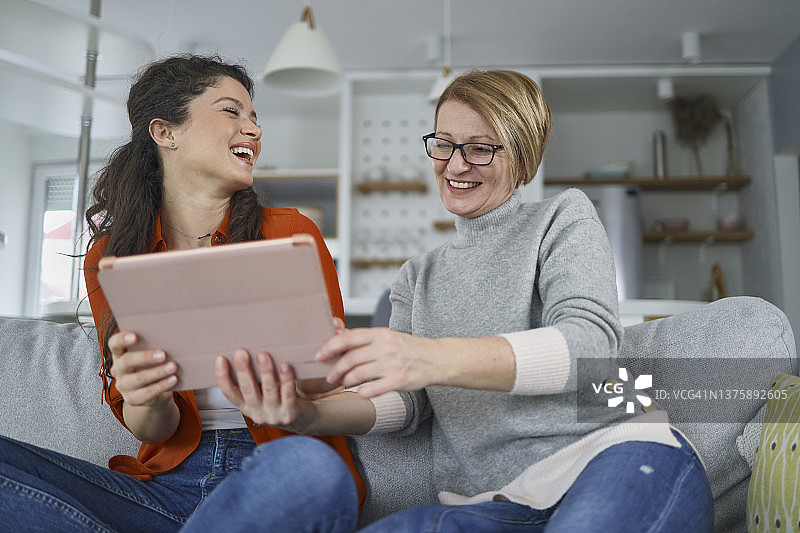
[197, 304]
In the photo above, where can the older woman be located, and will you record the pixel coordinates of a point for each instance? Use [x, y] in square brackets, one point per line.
[486, 336]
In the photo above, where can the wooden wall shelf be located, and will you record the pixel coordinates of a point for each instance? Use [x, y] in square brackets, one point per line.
[697, 236]
[444, 225]
[683, 183]
[392, 186]
[261, 173]
[383, 262]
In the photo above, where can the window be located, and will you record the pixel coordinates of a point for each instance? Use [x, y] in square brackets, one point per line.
[50, 275]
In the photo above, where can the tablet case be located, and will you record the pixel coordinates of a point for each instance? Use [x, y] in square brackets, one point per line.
[267, 295]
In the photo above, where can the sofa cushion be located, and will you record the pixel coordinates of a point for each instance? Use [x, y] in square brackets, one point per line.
[727, 330]
[52, 392]
[747, 442]
[772, 502]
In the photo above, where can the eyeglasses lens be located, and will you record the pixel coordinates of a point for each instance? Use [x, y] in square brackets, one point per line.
[439, 148]
[478, 154]
[474, 153]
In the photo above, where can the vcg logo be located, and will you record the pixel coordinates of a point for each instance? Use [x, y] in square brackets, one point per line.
[612, 386]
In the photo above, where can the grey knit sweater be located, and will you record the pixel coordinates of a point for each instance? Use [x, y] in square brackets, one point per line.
[541, 275]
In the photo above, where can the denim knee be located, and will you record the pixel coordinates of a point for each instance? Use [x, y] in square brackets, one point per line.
[306, 458]
[312, 476]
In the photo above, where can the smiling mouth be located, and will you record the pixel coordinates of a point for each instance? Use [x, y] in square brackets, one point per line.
[463, 184]
[242, 152]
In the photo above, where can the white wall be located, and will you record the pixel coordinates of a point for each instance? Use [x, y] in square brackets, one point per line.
[20, 149]
[784, 91]
[785, 105]
[787, 181]
[15, 185]
[297, 132]
[761, 258]
[581, 141]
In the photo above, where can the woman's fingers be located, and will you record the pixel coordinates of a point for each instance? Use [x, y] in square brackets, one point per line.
[356, 347]
[345, 340]
[125, 362]
[288, 389]
[248, 385]
[143, 377]
[376, 388]
[151, 393]
[270, 389]
[271, 402]
[134, 362]
[357, 366]
[222, 371]
[386, 359]
[139, 370]
[120, 341]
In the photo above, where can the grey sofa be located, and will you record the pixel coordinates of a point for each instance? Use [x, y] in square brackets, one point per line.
[51, 397]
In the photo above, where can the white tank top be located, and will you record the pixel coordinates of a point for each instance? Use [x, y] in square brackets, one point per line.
[216, 412]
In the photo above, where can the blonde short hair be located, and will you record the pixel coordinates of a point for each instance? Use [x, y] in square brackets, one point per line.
[514, 107]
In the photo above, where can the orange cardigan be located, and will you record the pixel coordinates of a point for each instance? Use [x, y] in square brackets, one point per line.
[157, 459]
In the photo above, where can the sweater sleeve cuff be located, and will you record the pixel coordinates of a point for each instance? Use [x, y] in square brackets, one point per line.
[390, 413]
[542, 361]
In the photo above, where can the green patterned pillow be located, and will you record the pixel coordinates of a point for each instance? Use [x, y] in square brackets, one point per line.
[773, 498]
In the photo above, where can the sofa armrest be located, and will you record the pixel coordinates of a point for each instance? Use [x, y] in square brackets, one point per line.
[727, 330]
[52, 392]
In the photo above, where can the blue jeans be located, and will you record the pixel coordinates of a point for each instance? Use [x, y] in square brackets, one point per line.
[632, 487]
[227, 484]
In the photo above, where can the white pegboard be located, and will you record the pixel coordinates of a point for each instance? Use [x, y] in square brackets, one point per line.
[387, 148]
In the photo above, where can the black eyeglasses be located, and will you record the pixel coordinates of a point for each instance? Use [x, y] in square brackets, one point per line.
[473, 153]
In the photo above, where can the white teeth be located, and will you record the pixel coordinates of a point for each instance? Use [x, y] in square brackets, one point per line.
[463, 184]
[242, 150]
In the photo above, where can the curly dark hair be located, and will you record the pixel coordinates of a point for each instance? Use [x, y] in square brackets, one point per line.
[128, 191]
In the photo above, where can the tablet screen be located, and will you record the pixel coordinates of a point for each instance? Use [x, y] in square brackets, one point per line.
[267, 295]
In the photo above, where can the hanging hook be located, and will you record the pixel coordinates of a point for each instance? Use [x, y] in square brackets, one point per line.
[308, 17]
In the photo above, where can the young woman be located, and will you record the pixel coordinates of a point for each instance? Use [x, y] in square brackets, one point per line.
[183, 181]
[487, 335]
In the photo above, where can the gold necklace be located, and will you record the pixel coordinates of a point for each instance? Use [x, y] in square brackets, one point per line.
[185, 234]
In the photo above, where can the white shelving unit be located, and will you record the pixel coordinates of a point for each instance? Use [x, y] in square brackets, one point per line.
[32, 65]
[384, 216]
[312, 187]
[43, 62]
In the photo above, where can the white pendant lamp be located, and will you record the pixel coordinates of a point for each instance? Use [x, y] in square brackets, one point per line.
[440, 85]
[304, 62]
[447, 76]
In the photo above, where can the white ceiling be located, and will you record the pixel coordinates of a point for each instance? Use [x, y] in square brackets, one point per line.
[392, 35]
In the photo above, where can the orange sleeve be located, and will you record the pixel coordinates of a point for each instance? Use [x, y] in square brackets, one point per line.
[152, 460]
[305, 225]
[101, 312]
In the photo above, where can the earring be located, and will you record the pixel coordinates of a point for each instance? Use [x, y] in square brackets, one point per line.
[172, 145]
